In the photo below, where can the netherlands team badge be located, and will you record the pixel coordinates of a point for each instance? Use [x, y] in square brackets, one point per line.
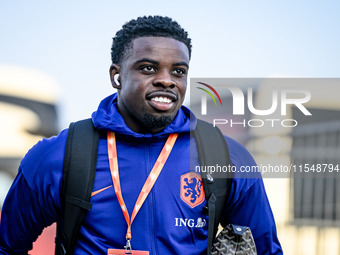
[192, 191]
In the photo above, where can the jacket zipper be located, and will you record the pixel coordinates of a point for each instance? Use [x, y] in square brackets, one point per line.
[152, 223]
[151, 208]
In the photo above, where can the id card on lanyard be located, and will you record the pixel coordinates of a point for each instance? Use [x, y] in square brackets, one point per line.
[149, 183]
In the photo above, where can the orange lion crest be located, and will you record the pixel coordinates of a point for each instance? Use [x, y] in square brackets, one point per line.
[192, 191]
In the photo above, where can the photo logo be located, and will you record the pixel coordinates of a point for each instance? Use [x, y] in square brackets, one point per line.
[279, 100]
[204, 102]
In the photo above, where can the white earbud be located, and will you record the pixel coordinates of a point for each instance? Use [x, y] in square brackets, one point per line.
[116, 79]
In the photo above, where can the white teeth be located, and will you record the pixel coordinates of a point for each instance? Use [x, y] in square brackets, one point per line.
[165, 100]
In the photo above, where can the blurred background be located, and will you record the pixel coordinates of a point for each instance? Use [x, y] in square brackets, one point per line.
[55, 57]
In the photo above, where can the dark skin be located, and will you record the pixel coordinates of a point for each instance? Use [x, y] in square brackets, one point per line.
[151, 82]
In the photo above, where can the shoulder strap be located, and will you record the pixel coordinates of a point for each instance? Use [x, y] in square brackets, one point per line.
[77, 184]
[213, 152]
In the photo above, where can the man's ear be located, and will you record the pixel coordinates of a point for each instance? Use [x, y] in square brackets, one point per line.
[114, 76]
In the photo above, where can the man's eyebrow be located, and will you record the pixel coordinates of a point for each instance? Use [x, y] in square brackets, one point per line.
[147, 60]
[157, 62]
[181, 64]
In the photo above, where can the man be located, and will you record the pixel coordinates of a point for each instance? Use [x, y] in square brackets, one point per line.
[141, 123]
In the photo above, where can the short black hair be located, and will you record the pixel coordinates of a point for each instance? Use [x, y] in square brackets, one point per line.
[144, 27]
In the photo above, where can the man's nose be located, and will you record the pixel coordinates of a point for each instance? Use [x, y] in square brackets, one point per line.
[164, 79]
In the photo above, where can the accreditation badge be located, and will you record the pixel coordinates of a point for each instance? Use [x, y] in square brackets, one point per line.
[126, 252]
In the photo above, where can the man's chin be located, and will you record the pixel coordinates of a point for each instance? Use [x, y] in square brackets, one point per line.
[153, 122]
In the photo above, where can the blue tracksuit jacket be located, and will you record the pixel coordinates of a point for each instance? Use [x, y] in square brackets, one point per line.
[171, 221]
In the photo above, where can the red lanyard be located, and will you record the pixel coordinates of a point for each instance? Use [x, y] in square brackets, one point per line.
[156, 170]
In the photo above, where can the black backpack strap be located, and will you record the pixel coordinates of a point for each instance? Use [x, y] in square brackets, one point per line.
[77, 184]
[213, 151]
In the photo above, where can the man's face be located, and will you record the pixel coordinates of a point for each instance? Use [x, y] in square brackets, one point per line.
[153, 81]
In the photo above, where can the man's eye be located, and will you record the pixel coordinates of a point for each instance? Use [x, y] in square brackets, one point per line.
[179, 71]
[148, 69]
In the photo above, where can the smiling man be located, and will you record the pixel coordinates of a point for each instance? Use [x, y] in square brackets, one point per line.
[154, 78]
[144, 193]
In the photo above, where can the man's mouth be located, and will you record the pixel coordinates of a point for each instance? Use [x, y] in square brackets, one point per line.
[164, 100]
[161, 101]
